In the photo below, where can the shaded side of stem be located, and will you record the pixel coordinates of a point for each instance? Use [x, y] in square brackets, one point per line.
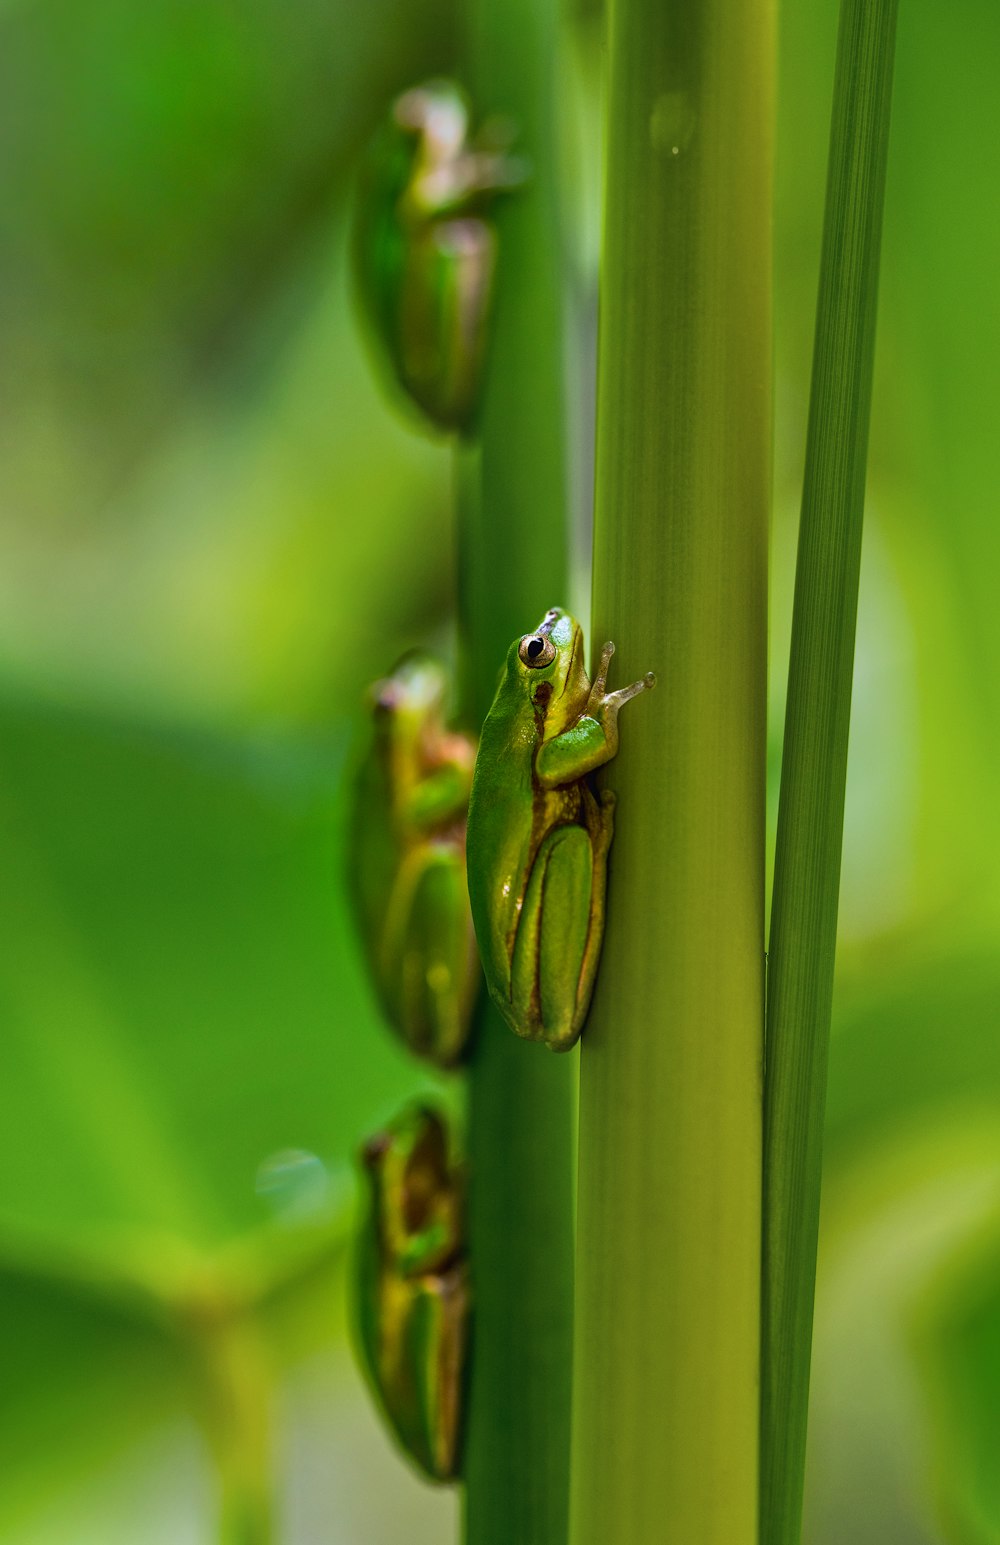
[814, 765]
[522, 1099]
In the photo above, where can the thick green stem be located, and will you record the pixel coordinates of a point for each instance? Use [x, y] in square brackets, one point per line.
[814, 764]
[668, 1276]
[521, 1097]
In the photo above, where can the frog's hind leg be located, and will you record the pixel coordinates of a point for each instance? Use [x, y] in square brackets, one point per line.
[602, 829]
[552, 939]
[444, 303]
[435, 1347]
[429, 954]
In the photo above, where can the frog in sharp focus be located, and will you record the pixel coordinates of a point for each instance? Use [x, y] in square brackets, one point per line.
[426, 247]
[407, 861]
[538, 836]
[414, 1288]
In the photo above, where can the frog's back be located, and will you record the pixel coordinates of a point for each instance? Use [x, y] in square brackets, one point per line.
[380, 244]
[500, 835]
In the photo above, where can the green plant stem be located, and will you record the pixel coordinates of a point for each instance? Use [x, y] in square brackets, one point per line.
[814, 764]
[513, 567]
[668, 1262]
[234, 1382]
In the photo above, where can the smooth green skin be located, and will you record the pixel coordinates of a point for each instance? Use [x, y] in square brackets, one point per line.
[425, 249]
[407, 862]
[538, 837]
[413, 1288]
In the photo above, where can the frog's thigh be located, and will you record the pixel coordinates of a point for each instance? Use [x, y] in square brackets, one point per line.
[552, 937]
[435, 1346]
[433, 958]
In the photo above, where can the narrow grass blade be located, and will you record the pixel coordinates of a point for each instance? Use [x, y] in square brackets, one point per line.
[814, 766]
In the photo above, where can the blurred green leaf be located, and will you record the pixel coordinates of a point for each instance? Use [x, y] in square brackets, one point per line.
[894, 1215]
[915, 1033]
[162, 165]
[81, 1380]
[274, 552]
[180, 990]
[182, 1004]
[911, 1180]
[99, 1444]
[958, 1351]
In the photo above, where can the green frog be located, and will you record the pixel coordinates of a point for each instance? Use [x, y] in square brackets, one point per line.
[407, 862]
[538, 835]
[414, 1288]
[426, 247]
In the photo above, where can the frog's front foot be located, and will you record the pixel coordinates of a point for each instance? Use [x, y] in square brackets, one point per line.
[603, 704]
[645, 683]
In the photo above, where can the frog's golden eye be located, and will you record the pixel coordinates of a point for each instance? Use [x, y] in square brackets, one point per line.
[536, 650]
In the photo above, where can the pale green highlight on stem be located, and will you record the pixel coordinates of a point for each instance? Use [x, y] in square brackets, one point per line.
[814, 766]
[512, 568]
[236, 1402]
[668, 1276]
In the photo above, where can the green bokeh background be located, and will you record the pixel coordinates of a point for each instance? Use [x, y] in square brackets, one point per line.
[213, 532]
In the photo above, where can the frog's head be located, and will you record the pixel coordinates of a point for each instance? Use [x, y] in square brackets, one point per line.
[434, 116]
[548, 663]
[414, 1196]
[412, 696]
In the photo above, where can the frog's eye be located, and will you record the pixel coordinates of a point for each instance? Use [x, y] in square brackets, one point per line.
[536, 650]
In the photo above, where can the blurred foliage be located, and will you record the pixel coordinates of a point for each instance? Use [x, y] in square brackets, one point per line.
[190, 433]
[191, 1056]
[212, 534]
[959, 1335]
[902, 1439]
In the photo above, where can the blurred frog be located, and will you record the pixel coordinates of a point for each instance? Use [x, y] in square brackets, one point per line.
[426, 249]
[407, 862]
[414, 1288]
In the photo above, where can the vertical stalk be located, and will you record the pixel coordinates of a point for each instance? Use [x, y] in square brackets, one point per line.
[668, 1277]
[814, 763]
[235, 1396]
[513, 567]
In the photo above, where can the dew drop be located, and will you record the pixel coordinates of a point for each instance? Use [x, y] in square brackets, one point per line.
[671, 123]
[295, 1184]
